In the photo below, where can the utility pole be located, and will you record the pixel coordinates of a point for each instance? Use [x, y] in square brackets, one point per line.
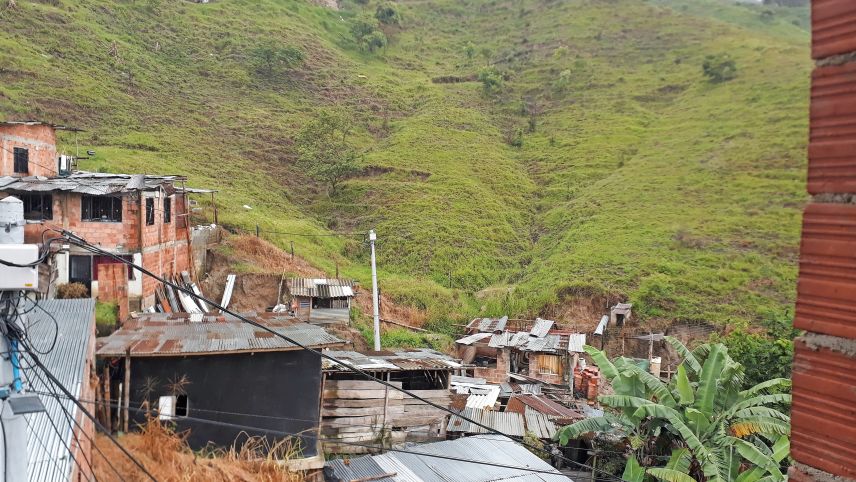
[372, 239]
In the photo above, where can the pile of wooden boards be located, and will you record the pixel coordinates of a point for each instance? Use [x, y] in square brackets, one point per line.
[171, 300]
[367, 412]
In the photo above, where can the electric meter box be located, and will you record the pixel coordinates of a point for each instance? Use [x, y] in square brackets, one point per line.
[13, 278]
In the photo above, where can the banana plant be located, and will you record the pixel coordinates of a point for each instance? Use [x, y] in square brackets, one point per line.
[716, 431]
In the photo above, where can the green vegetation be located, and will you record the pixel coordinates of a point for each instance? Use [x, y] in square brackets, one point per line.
[701, 426]
[641, 179]
[106, 318]
[324, 150]
[270, 58]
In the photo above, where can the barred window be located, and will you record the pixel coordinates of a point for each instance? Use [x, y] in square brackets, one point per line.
[37, 207]
[107, 209]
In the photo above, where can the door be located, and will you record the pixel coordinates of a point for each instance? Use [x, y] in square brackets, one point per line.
[80, 270]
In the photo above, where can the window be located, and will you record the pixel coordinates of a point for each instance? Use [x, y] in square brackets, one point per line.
[106, 209]
[172, 406]
[37, 207]
[167, 209]
[150, 211]
[22, 160]
[549, 365]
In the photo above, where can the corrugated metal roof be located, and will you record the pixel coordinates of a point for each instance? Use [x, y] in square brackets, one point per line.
[94, 183]
[48, 459]
[506, 422]
[321, 287]
[359, 468]
[169, 334]
[488, 325]
[602, 325]
[418, 359]
[483, 398]
[576, 342]
[541, 328]
[480, 450]
[539, 424]
[548, 407]
[469, 340]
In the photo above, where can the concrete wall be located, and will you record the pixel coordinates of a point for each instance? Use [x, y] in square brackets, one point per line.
[39, 140]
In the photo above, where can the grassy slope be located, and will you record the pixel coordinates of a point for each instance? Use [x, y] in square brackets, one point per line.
[640, 179]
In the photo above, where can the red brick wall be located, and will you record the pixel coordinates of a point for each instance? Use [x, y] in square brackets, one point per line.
[113, 286]
[165, 246]
[498, 374]
[823, 415]
[39, 140]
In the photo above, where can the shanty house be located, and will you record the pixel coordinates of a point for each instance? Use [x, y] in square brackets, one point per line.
[220, 378]
[541, 352]
[356, 409]
[320, 300]
[62, 434]
[141, 218]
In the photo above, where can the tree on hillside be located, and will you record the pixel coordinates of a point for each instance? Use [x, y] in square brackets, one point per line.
[324, 151]
[365, 30]
[270, 58]
[699, 427]
[387, 14]
[719, 68]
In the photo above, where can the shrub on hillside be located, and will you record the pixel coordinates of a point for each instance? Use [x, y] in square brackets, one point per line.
[387, 14]
[719, 68]
[366, 33]
[68, 291]
[270, 58]
[491, 79]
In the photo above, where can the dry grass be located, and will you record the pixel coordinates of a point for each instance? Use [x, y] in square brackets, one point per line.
[167, 456]
[269, 258]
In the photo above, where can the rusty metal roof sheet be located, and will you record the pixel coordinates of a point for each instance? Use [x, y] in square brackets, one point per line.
[541, 327]
[169, 335]
[488, 325]
[510, 423]
[94, 183]
[321, 287]
[404, 360]
[548, 407]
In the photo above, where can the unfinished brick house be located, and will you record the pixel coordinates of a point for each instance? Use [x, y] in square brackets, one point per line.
[142, 218]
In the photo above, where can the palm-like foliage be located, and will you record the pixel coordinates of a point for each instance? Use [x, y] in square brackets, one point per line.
[715, 430]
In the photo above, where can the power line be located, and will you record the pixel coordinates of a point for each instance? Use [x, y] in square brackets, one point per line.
[70, 417]
[343, 442]
[75, 239]
[80, 406]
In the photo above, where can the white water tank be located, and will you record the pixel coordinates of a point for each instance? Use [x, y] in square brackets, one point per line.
[11, 220]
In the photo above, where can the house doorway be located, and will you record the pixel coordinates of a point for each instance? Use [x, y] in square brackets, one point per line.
[80, 271]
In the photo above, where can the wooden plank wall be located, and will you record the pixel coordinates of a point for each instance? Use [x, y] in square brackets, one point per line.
[366, 412]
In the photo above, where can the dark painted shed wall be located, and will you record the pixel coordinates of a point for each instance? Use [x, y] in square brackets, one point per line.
[271, 384]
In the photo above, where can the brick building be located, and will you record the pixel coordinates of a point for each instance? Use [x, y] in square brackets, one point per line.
[142, 218]
[823, 417]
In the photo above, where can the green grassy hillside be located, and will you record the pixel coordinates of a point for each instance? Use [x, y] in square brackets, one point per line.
[605, 163]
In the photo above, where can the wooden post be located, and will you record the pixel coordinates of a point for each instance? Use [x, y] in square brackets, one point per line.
[126, 390]
[385, 405]
[337, 269]
[214, 204]
[292, 250]
[650, 346]
[257, 230]
[108, 404]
